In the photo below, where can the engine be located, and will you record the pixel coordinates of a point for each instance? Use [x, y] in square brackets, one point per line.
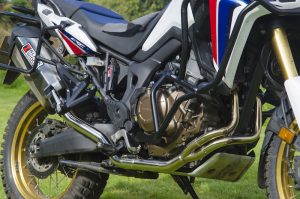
[194, 117]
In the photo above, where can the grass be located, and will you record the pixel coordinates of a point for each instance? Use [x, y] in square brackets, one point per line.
[164, 187]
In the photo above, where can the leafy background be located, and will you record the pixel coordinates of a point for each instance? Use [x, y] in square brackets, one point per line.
[129, 8]
[122, 187]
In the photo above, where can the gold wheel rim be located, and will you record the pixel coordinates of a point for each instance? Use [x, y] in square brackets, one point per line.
[284, 181]
[24, 181]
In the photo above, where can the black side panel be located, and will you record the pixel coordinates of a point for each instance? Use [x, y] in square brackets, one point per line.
[173, 33]
[144, 71]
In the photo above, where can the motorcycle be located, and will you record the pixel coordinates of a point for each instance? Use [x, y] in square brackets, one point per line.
[179, 92]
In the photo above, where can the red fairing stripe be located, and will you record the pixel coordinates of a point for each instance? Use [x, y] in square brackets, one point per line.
[213, 27]
[77, 51]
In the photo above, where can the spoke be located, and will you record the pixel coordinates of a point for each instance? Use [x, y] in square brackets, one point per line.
[64, 171]
[56, 182]
[32, 178]
[53, 185]
[65, 174]
[50, 184]
[289, 162]
[38, 187]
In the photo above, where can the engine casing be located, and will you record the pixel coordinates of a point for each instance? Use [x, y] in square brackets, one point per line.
[190, 120]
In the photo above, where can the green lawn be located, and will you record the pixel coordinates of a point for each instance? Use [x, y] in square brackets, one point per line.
[164, 187]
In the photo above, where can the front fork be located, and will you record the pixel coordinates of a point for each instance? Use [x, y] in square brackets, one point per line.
[292, 85]
[284, 54]
[288, 68]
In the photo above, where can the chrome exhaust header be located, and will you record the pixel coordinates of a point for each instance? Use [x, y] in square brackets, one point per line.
[197, 149]
[82, 127]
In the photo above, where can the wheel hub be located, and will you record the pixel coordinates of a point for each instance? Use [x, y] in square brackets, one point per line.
[42, 167]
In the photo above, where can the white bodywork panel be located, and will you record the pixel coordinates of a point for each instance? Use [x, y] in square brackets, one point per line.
[171, 18]
[237, 11]
[286, 5]
[291, 87]
[75, 29]
[240, 43]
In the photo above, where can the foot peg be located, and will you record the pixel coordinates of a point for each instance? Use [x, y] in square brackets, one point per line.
[186, 186]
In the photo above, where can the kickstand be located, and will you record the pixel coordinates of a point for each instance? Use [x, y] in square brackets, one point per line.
[186, 186]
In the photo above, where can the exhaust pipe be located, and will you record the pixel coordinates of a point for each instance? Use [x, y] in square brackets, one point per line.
[190, 154]
[89, 131]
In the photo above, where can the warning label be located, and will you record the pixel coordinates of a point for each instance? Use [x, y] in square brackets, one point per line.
[29, 53]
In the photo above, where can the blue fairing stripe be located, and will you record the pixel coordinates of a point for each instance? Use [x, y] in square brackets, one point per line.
[225, 12]
[226, 8]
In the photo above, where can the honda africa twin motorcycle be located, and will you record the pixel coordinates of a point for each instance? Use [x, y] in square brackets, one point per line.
[178, 91]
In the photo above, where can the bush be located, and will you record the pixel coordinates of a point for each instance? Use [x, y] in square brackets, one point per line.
[132, 9]
[24, 3]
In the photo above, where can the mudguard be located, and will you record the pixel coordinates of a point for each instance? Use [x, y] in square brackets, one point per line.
[5, 50]
[262, 160]
[276, 122]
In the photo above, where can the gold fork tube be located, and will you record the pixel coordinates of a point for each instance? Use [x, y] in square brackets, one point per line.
[284, 54]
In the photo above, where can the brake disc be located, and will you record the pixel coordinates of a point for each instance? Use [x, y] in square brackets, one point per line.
[42, 167]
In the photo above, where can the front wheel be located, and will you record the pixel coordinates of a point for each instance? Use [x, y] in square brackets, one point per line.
[280, 165]
[28, 178]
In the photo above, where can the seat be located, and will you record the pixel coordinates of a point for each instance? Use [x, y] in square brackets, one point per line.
[107, 27]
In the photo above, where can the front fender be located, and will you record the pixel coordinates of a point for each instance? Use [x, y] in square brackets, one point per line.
[274, 125]
[262, 160]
